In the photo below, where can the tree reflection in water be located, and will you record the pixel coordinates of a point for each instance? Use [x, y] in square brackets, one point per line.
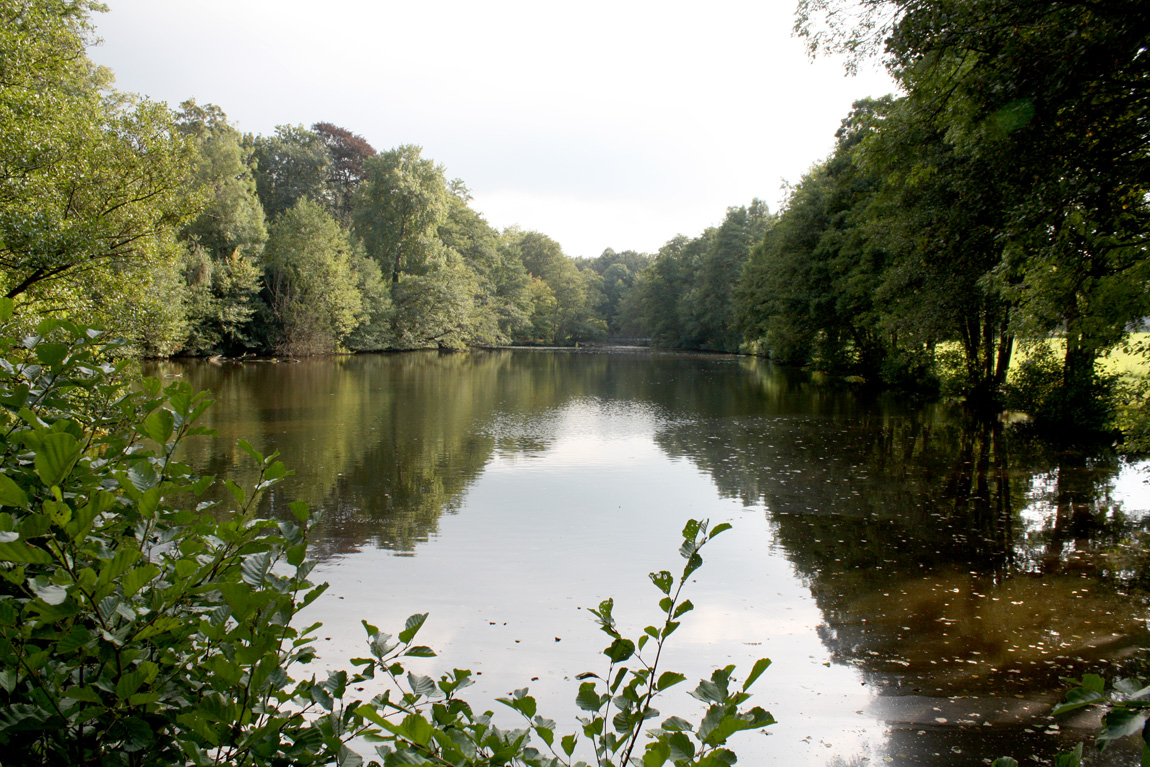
[963, 568]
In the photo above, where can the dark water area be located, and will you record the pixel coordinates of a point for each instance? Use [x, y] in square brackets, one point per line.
[923, 582]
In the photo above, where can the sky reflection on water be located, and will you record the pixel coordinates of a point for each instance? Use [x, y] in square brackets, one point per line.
[921, 584]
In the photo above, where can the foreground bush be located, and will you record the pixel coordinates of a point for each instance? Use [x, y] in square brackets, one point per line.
[142, 625]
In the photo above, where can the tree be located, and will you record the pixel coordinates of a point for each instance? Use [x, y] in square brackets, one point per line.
[618, 271]
[1059, 90]
[503, 300]
[398, 212]
[938, 216]
[348, 152]
[289, 166]
[662, 288]
[403, 200]
[310, 281]
[562, 312]
[226, 240]
[91, 181]
[709, 302]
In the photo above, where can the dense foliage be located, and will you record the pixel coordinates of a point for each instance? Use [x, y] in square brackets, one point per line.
[1000, 202]
[1011, 180]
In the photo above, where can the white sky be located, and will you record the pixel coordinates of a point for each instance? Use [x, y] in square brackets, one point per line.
[606, 123]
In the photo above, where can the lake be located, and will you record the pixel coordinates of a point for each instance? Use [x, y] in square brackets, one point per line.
[923, 583]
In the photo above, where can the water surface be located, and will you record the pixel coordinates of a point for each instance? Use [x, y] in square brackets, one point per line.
[922, 583]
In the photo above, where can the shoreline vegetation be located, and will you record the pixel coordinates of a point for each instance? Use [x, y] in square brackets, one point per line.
[949, 228]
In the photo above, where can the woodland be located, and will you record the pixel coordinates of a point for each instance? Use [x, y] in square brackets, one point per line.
[997, 204]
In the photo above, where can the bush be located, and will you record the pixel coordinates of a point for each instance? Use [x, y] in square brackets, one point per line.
[142, 625]
[1038, 388]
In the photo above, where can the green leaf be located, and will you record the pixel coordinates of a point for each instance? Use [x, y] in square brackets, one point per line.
[587, 698]
[118, 564]
[129, 682]
[668, 679]
[23, 552]
[143, 476]
[136, 578]
[46, 591]
[11, 494]
[1073, 757]
[422, 685]
[158, 426]
[236, 491]
[420, 652]
[136, 733]
[677, 724]
[239, 598]
[568, 743]
[200, 486]
[682, 747]
[60, 513]
[55, 457]
[51, 354]
[720, 528]
[663, 580]
[620, 650]
[256, 455]
[411, 627]
[254, 568]
[709, 692]
[1121, 722]
[148, 503]
[760, 666]
[1131, 688]
[690, 530]
[657, 754]
[1076, 698]
[685, 607]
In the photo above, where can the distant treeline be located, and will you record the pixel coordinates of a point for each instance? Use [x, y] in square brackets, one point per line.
[1003, 198]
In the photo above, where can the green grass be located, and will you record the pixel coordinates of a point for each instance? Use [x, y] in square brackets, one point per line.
[1123, 360]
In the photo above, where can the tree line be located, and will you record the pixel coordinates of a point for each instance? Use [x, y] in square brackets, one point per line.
[188, 236]
[1001, 200]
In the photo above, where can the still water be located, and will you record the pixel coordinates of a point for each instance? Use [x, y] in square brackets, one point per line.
[923, 584]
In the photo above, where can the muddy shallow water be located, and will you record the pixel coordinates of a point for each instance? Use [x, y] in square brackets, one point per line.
[922, 583]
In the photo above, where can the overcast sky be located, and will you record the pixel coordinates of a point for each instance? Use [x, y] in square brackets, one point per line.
[603, 123]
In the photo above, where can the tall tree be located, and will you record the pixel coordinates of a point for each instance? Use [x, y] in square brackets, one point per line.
[91, 181]
[348, 152]
[289, 166]
[503, 299]
[661, 307]
[562, 311]
[619, 271]
[1059, 90]
[225, 241]
[403, 200]
[398, 211]
[709, 302]
[939, 216]
[310, 281]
